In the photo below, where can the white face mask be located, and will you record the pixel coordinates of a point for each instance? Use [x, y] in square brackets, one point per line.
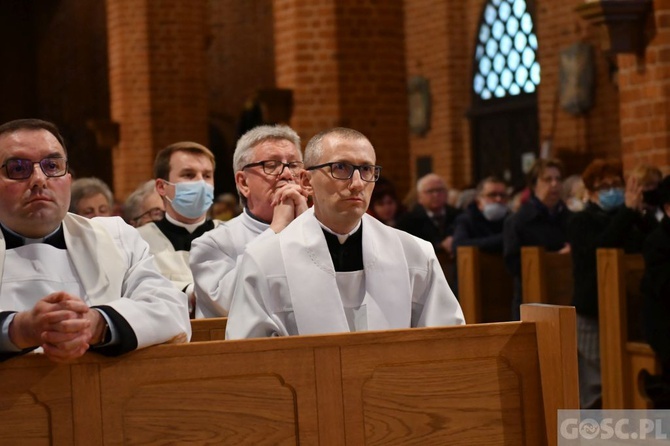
[495, 211]
[575, 204]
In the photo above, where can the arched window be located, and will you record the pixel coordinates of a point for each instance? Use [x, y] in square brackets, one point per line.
[505, 62]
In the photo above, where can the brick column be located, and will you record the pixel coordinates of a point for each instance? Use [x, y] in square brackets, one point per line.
[645, 98]
[344, 60]
[437, 50]
[158, 89]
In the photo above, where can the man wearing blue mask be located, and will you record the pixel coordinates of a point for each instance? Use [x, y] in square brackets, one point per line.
[184, 174]
[612, 218]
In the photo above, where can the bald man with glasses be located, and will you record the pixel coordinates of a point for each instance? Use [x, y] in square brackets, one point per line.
[336, 268]
[267, 163]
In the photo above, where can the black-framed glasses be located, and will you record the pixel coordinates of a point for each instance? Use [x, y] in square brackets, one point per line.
[276, 167]
[154, 214]
[21, 169]
[344, 171]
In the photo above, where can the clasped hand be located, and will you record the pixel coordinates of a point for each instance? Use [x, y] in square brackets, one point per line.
[62, 324]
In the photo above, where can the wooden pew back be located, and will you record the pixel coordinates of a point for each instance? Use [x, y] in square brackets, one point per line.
[212, 329]
[473, 384]
[484, 286]
[622, 352]
[546, 277]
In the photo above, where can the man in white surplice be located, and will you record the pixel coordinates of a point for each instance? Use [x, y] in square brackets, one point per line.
[335, 268]
[267, 162]
[69, 284]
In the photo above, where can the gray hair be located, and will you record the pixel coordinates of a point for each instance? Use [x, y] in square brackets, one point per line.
[429, 176]
[245, 145]
[133, 204]
[87, 187]
[314, 148]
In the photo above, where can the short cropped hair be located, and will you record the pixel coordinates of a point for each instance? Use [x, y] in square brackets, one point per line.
[88, 187]
[314, 148]
[33, 124]
[244, 148]
[492, 179]
[598, 169]
[538, 168]
[162, 161]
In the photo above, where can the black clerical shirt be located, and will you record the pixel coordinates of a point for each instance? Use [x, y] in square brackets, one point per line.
[180, 237]
[57, 239]
[347, 256]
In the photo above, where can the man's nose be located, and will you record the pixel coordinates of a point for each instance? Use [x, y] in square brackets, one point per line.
[356, 182]
[286, 174]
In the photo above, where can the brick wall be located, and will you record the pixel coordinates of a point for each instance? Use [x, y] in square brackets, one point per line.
[344, 61]
[595, 134]
[645, 97]
[240, 57]
[157, 81]
[440, 41]
[438, 45]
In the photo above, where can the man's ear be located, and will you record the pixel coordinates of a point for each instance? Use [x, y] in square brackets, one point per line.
[666, 209]
[305, 181]
[241, 183]
[160, 187]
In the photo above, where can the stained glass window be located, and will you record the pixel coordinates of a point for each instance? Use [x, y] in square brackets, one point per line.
[505, 55]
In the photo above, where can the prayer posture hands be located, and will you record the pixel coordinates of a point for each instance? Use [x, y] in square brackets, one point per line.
[289, 201]
[62, 324]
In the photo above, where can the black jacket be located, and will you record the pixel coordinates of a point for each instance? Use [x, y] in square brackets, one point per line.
[656, 290]
[594, 228]
[533, 225]
[471, 228]
[418, 223]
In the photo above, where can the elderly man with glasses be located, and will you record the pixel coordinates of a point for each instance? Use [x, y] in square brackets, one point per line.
[336, 268]
[67, 283]
[267, 162]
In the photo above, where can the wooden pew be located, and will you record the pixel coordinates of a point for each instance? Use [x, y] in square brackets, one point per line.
[546, 277]
[485, 287]
[623, 353]
[473, 384]
[212, 329]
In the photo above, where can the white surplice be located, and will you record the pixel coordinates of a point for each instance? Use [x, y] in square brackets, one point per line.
[215, 257]
[287, 285]
[114, 267]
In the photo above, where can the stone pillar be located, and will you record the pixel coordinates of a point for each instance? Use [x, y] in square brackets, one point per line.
[157, 77]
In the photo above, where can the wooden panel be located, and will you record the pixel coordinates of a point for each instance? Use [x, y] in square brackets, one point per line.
[212, 329]
[484, 286]
[35, 403]
[557, 350]
[231, 398]
[454, 390]
[620, 306]
[546, 277]
[476, 384]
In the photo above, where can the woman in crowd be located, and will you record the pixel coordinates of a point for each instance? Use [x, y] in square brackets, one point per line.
[91, 197]
[612, 218]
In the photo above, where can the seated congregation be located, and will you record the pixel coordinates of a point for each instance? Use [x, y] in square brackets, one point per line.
[304, 257]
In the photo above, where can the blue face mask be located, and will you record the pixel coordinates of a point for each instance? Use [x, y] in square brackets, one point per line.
[611, 198]
[192, 199]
